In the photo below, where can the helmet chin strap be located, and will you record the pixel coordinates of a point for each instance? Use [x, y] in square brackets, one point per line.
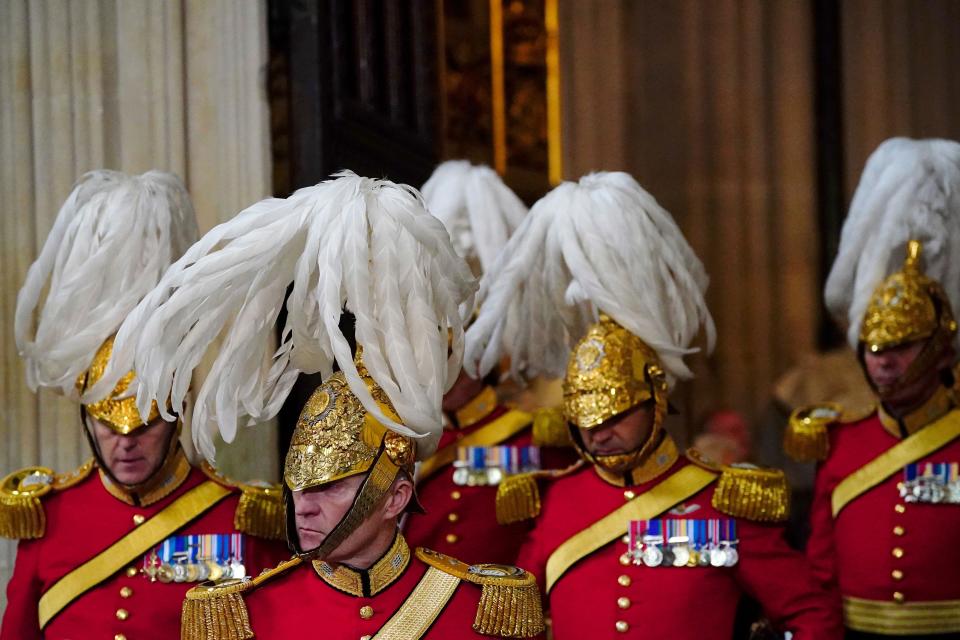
[931, 352]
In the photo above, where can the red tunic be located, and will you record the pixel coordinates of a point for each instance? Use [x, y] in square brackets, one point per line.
[599, 597]
[300, 605]
[879, 547]
[81, 522]
[461, 521]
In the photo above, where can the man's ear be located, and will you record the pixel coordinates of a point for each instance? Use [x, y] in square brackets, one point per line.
[399, 496]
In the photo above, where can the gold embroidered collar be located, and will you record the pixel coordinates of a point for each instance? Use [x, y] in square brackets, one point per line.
[369, 582]
[659, 460]
[164, 482]
[477, 409]
[942, 401]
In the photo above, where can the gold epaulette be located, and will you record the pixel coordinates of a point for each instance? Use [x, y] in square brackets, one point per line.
[260, 510]
[510, 602]
[806, 438]
[550, 428]
[22, 516]
[518, 495]
[216, 610]
[753, 493]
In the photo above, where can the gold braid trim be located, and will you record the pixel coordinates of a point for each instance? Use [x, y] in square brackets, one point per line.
[753, 493]
[806, 438]
[550, 428]
[22, 516]
[216, 610]
[518, 495]
[260, 511]
[510, 605]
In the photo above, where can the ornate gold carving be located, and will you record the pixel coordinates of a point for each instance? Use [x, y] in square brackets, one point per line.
[904, 307]
[745, 491]
[381, 575]
[119, 410]
[607, 374]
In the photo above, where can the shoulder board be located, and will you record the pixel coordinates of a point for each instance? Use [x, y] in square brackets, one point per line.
[806, 439]
[518, 495]
[753, 493]
[550, 428]
[510, 604]
[260, 510]
[223, 603]
[22, 516]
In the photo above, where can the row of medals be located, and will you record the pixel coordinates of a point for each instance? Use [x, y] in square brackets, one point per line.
[198, 571]
[682, 555]
[930, 490]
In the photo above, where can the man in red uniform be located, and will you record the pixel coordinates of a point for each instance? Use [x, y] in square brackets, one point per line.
[885, 517]
[349, 481]
[482, 440]
[640, 540]
[109, 550]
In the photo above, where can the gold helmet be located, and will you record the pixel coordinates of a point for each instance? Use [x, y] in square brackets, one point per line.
[908, 306]
[335, 438]
[118, 410]
[610, 372]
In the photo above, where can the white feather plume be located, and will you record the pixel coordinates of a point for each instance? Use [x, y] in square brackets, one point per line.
[476, 207]
[367, 245]
[910, 189]
[111, 242]
[601, 244]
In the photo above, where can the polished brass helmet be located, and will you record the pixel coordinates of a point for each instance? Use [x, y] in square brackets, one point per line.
[610, 372]
[118, 410]
[906, 307]
[909, 306]
[336, 438]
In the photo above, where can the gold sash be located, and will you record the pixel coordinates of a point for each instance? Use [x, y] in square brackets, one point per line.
[686, 482]
[112, 559]
[421, 607]
[922, 443]
[506, 426]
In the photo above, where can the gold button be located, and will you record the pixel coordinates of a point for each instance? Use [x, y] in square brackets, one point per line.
[366, 612]
[126, 592]
[138, 519]
[629, 494]
[897, 552]
[624, 580]
[898, 530]
[452, 538]
[898, 597]
[131, 572]
[122, 614]
[625, 539]
[453, 517]
[625, 559]
[623, 603]
[622, 626]
[896, 574]
[455, 495]
[899, 508]
[119, 636]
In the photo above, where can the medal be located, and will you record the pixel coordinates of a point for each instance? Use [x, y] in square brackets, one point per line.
[215, 571]
[165, 573]
[652, 556]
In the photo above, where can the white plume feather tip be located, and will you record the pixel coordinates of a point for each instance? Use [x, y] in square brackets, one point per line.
[602, 244]
[365, 245]
[479, 211]
[110, 243]
[910, 189]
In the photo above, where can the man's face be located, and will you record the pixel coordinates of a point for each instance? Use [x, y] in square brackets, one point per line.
[133, 458]
[463, 391]
[621, 434]
[319, 509]
[886, 367]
